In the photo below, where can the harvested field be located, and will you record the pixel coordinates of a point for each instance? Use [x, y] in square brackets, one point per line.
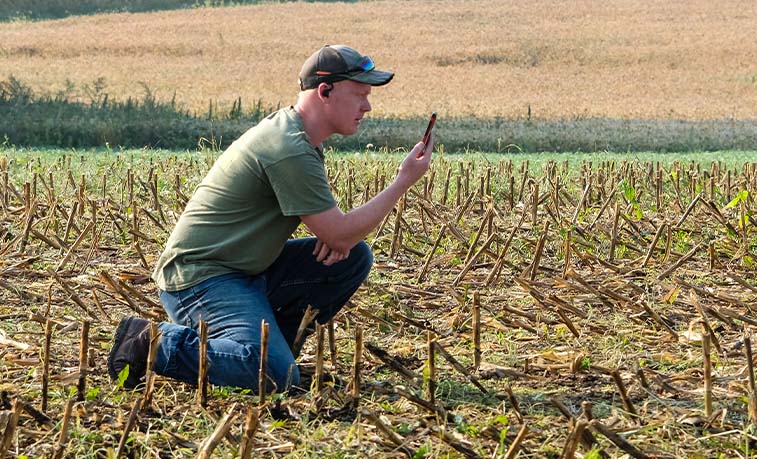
[596, 306]
[543, 60]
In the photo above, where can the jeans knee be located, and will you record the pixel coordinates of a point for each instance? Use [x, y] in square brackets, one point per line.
[244, 370]
[282, 373]
[363, 259]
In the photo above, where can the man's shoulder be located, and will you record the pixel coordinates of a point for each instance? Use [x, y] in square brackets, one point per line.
[279, 136]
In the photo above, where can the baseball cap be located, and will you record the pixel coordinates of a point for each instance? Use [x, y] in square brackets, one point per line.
[334, 63]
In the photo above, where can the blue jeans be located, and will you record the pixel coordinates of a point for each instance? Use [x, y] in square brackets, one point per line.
[233, 305]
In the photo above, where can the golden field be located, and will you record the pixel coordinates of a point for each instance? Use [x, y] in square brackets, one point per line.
[692, 60]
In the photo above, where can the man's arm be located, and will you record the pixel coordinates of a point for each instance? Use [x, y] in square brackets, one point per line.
[340, 231]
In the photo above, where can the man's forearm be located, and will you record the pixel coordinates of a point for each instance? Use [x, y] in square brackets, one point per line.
[341, 231]
[365, 218]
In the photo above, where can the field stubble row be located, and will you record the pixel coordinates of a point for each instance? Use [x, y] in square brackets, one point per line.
[541, 288]
[544, 60]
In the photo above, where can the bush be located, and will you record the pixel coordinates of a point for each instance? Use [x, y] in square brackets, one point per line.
[29, 119]
[55, 9]
[45, 120]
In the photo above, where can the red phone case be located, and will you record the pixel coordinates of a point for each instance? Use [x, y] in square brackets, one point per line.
[427, 135]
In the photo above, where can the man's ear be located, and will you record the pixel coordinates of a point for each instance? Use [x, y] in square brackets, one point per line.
[324, 89]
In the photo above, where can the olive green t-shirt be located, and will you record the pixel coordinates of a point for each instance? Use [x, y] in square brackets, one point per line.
[248, 205]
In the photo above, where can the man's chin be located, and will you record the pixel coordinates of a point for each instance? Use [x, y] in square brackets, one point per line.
[351, 131]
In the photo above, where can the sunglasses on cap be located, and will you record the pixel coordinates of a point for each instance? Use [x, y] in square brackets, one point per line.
[365, 65]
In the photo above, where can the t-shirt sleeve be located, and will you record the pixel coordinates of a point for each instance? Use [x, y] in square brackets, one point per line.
[300, 185]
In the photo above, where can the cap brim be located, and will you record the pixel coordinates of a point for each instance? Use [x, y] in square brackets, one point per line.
[373, 78]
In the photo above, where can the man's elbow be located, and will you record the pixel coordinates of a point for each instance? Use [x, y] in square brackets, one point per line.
[334, 230]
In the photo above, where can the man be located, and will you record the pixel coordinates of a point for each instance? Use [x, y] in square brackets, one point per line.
[229, 260]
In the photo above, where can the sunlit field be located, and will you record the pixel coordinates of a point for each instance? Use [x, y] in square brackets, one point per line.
[541, 60]
[594, 301]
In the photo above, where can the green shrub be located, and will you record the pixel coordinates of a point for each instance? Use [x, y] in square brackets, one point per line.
[54, 9]
[29, 119]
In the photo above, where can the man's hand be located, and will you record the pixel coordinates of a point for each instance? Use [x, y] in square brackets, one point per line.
[416, 163]
[325, 254]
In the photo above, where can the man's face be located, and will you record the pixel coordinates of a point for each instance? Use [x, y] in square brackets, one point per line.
[347, 104]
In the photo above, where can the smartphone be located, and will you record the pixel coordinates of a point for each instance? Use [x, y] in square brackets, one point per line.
[427, 135]
[431, 122]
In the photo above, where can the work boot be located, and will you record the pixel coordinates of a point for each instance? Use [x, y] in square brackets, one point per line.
[131, 346]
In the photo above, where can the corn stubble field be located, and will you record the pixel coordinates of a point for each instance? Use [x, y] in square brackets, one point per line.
[592, 309]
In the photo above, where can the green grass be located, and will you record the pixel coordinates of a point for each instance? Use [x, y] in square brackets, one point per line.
[93, 160]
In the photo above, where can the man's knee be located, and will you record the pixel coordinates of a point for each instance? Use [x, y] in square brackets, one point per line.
[282, 372]
[363, 259]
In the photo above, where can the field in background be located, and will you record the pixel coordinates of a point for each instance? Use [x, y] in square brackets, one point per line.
[542, 60]
[31, 119]
[596, 304]
[20, 10]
